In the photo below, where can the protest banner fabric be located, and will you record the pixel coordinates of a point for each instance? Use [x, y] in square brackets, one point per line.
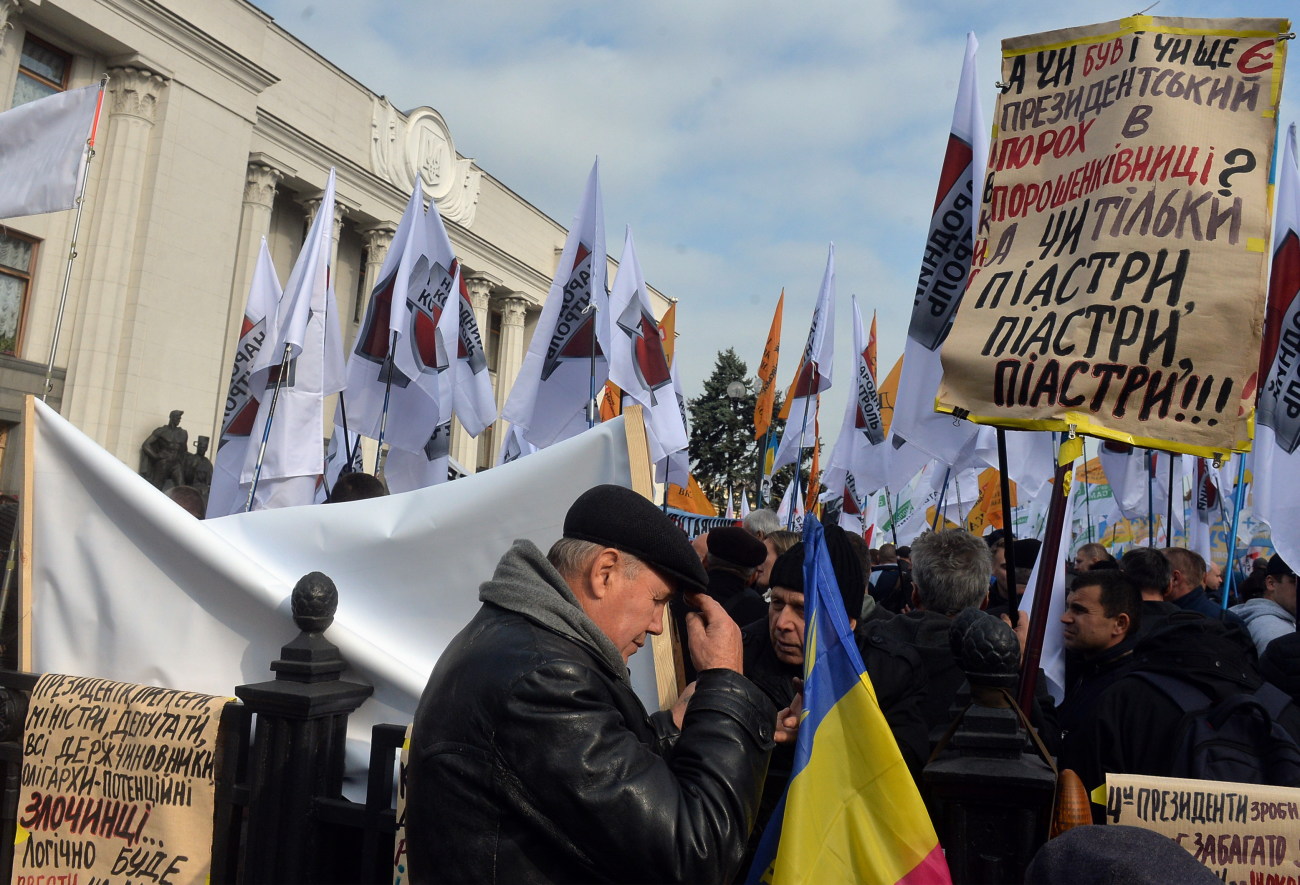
[858, 460]
[1277, 463]
[851, 811]
[203, 605]
[43, 149]
[1123, 235]
[119, 783]
[1241, 832]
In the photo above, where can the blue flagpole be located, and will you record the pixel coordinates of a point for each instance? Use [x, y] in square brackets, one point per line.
[943, 495]
[1238, 501]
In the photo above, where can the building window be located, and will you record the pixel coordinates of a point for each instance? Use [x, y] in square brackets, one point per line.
[17, 258]
[494, 340]
[42, 71]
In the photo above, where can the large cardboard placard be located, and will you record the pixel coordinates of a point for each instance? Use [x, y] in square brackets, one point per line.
[118, 783]
[1121, 255]
[1243, 833]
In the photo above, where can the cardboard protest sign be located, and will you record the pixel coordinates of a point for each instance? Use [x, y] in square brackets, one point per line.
[1121, 256]
[118, 783]
[1243, 833]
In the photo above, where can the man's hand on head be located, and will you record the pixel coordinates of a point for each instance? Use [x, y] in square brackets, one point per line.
[714, 637]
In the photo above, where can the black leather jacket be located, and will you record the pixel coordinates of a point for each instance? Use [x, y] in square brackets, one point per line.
[532, 760]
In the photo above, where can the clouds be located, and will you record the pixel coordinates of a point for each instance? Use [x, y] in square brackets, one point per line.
[737, 138]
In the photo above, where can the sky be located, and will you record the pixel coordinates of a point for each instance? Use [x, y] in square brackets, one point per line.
[737, 139]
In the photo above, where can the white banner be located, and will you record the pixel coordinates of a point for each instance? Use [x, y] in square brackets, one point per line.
[42, 144]
[125, 586]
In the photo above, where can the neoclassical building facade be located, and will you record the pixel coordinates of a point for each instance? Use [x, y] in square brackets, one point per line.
[218, 129]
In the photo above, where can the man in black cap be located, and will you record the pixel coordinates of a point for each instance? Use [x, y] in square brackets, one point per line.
[1272, 615]
[531, 758]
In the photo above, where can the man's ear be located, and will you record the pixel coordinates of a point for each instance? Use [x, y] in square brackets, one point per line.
[984, 603]
[1122, 622]
[603, 567]
[916, 597]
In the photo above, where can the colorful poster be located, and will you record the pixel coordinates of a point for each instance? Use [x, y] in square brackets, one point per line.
[1123, 235]
[118, 783]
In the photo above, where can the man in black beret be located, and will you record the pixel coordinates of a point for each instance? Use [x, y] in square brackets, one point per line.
[733, 555]
[532, 759]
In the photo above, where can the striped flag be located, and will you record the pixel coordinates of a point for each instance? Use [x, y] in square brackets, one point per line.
[851, 812]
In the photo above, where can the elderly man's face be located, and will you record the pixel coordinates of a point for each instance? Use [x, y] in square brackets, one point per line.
[785, 621]
[640, 596]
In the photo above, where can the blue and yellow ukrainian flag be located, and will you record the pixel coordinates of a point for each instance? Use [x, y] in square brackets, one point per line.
[851, 812]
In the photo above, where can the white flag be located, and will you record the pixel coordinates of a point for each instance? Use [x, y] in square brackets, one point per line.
[514, 446]
[858, 465]
[791, 502]
[227, 495]
[1128, 471]
[566, 360]
[1277, 425]
[342, 456]
[637, 363]
[42, 149]
[744, 504]
[406, 471]
[813, 375]
[412, 414]
[307, 328]
[945, 268]
[473, 401]
[677, 468]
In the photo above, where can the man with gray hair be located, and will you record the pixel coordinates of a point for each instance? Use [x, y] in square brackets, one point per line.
[950, 572]
[761, 523]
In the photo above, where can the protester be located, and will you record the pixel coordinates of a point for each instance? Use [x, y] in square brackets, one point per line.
[1187, 586]
[356, 486]
[1089, 555]
[871, 610]
[1149, 571]
[889, 586]
[774, 659]
[761, 523]
[1103, 612]
[1106, 855]
[950, 572]
[776, 542]
[1272, 615]
[531, 758]
[733, 556]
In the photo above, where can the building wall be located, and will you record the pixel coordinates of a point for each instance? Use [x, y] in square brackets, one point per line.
[220, 128]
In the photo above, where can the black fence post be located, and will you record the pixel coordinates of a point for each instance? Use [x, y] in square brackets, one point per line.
[297, 753]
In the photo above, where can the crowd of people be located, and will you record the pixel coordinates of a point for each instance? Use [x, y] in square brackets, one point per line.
[532, 759]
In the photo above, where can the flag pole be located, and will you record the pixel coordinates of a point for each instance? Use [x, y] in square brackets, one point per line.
[1008, 530]
[343, 413]
[388, 390]
[1238, 501]
[943, 496]
[1151, 501]
[798, 465]
[1047, 557]
[72, 248]
[1169, 504]
[1087, 496]
[591, 384]
[893, 529]
[266, 430]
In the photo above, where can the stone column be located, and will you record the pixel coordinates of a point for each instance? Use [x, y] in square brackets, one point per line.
[514, 309]
[101, 341]
[311, 206]
[378, 239]
[260, 184]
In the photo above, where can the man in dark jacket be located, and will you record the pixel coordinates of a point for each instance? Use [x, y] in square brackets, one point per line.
[1149, 571]
[1134, 724]
[950, 572]
[531, 758]
[1103, 612]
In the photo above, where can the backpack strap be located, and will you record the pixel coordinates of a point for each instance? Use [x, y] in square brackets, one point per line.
[1184, 694]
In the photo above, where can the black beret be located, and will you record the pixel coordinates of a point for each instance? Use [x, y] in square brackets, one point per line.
[787, 571]
[1026, 552]
[617, 517]
[1277, 567]
[737, 545]
[1113, 853]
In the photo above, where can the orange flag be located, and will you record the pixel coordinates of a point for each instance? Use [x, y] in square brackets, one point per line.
[611, 404]
[988, 509]
[691, 499]
[814, 473]
[668, 331]
[888, 390]
[767, 374]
